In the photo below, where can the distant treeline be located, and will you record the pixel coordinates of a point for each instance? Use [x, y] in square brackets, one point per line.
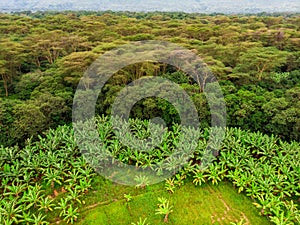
[138, 15]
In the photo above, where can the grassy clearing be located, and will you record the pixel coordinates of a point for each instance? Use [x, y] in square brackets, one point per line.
[207, 204]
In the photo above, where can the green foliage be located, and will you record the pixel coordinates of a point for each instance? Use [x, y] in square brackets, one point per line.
[264, 168]
[241, 222]
[164, 208]
[257, 61]
[141, 222]
[32, 177]
[44, 55]
[128, 197]
[142, 181]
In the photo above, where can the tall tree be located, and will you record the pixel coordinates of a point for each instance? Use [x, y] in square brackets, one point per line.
[11, 58]
[258, 60]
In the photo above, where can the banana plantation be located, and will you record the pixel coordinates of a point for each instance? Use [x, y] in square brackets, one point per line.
[48, 180]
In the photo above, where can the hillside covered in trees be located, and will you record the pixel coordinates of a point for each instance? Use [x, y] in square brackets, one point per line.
[43, 56]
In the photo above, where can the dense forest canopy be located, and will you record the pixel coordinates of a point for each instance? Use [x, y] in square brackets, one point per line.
[43, 56]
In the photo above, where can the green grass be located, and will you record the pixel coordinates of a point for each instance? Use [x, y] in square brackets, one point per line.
[207, 204]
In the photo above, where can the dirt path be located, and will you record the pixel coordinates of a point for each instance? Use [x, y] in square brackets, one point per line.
[228, 210]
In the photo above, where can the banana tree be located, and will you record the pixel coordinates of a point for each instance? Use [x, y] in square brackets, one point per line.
[35, 165]
[251, 164]
[266, 184]
[27, 218]
[73, 177]
[13, 170]
[284, 169]
[6, 221]
[62, 206]
[71, 214]
[15, 189]
[179, 179]
[138, 157]
[148, 162]
[215, 173]
[266, 202]
[280, 220]
[52, 177]
[11, 211]
[291, 211]
[141, 222]
[170, 185]
[51, 159]
[234, 175]
[199, 177]
[27, 176]
[253, 190]
[74, 196]
[244, 181]
[84, 185]
[39, 219]
[9, 154]
[142, 181]
[231, 160]
[282, 186]
[104, 130]
[164, 208]
[174, 162]
[32, 196]
[46, 204]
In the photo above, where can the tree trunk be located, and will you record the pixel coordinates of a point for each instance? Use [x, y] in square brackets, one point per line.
[5, 85]
[166, 218]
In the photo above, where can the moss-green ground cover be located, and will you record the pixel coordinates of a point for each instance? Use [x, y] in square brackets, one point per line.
[207, 204]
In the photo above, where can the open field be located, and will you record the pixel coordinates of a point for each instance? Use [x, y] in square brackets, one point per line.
[207, 204]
